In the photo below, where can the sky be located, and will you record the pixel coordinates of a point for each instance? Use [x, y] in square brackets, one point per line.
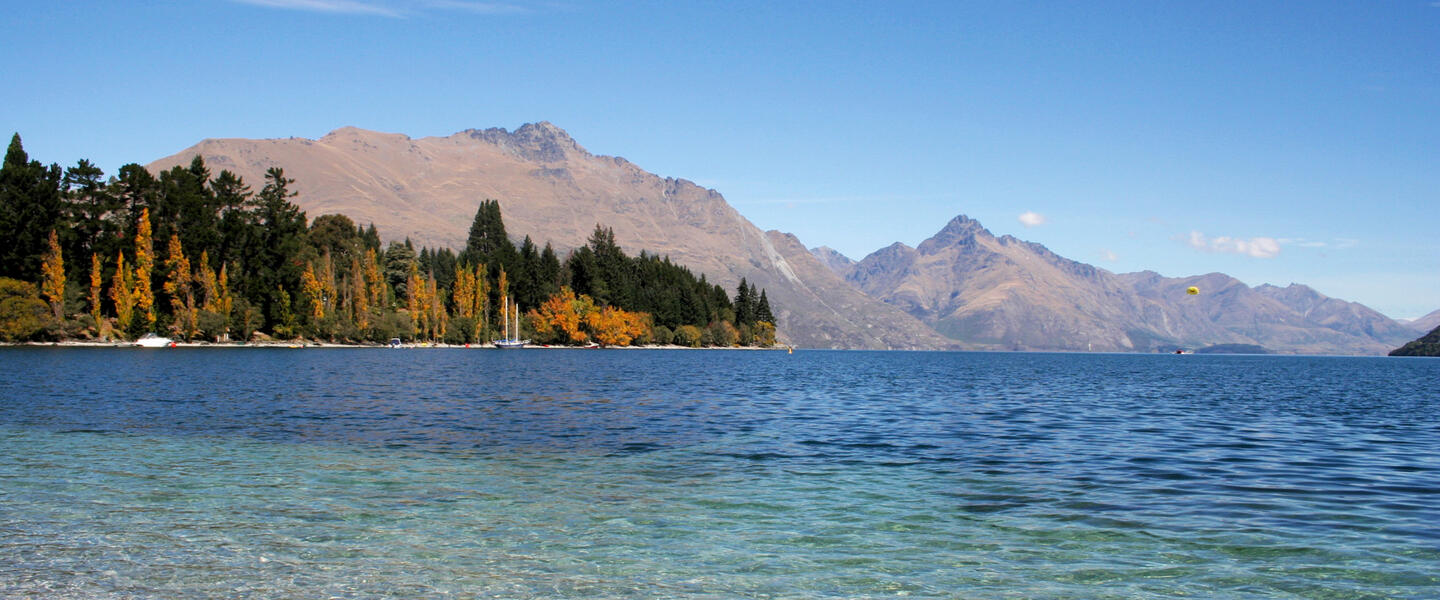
[1277, 142]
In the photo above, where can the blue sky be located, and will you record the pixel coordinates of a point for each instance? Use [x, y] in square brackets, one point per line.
[1277, 142]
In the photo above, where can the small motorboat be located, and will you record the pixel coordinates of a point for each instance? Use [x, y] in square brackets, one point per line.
[151, 340]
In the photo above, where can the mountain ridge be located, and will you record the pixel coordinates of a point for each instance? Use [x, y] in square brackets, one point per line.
[1008, 293]
[962, 288]
[553, 189]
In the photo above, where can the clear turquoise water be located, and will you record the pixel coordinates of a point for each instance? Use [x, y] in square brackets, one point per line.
[359, 473]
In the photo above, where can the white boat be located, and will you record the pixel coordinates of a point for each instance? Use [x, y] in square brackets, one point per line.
[151, 340]
[507, 342]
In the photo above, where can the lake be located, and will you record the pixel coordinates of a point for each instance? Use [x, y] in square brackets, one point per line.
[425, 473]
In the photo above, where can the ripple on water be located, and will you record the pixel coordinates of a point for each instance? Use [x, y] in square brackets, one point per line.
[360, 473]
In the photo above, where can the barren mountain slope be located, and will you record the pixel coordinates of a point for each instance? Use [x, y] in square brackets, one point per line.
[552, 189]
[1006, 293]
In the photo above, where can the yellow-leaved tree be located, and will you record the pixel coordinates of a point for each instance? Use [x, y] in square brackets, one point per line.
[122, 293]
[561, 316]
[615, 327]
[207, 283]
[144, 295]
[97, 282]
[435, 308]
[52, 283]
[359, 296]
[179, 286]
[374, 282]
[314, 292]
[414, 293]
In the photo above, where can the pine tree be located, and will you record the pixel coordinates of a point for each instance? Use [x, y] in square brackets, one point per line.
[762, 312]
[52, 270]
[87, 212]
[744, 307]
[29, 209]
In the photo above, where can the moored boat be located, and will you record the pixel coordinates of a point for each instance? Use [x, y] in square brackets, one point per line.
[508, 342]
[151, 340]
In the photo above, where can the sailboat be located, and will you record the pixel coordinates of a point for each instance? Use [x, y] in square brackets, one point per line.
[508, 342]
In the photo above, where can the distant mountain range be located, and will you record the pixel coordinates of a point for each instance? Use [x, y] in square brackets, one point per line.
[963, 288]
[551, 188]
[1001, 292]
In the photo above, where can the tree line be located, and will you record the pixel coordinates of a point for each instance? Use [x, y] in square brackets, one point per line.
[202, 257]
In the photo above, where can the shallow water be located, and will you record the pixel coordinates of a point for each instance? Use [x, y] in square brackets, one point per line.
[361, 473]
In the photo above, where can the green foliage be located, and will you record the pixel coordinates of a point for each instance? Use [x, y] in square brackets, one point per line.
[257, 247]
[1428, 345]
[30, 203]
[23, 314]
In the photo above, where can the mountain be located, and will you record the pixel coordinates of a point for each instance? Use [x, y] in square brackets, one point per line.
[830, 257]
[1002, 292]
[1333, 313]
[553, 189]
[1425, 323]
[1428, 345]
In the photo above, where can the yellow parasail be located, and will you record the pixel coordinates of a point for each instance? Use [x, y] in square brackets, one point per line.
[1192, 290]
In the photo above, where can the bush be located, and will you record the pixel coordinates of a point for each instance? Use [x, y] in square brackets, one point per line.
[688, 335]
[22, 312]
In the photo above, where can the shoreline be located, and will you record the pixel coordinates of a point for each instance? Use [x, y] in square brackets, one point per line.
[298, 345]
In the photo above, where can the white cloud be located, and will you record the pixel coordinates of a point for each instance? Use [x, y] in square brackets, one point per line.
[1257, 247]
[1032, 219]
[354, 7]
[1108, 255]
[389, 8]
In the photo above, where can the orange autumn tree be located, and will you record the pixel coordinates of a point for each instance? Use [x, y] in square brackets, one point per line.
[121, 293]
[560, 317]
[616, 327]
[97, 282]
[143, 294]
[180, 286]
[359, 296]
[574, 319]
[52, 284]
[314, 292]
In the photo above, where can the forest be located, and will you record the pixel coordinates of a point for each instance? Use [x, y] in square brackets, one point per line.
[198, 257]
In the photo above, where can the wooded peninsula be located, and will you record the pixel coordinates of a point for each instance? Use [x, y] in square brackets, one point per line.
[196, 257]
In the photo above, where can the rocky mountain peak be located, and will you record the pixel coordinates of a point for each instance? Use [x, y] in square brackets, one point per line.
[830, 257]
[536, 142]
[961, 230]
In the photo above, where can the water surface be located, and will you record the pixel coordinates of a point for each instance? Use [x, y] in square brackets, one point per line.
[362, 473]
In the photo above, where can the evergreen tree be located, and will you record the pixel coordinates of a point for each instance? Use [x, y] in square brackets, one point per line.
[135, 190]
[278, 235]
[188, 208]
[399, 259]
[237, 220]
[762, 311]
[88, 214]
[29, 209]
[744, 306]
[548, 273]
[488, 243]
